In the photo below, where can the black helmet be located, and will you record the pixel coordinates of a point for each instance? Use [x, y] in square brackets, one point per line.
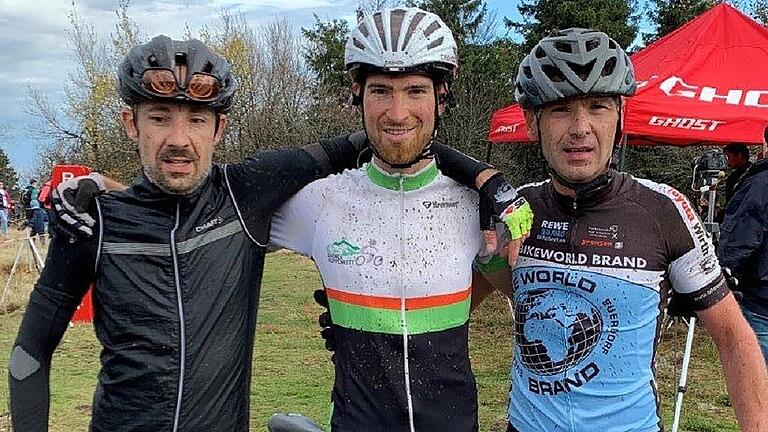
[151, 72]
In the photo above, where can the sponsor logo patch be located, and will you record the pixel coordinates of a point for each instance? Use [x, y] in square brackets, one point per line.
[440, 204]
[553, 231]
[210, 224]
[344, 252]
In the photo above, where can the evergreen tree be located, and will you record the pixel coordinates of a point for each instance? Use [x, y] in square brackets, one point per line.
[465, 18]
[325, 53]
[759, 11]
[669, 15]
[8, 175]
[543, 17]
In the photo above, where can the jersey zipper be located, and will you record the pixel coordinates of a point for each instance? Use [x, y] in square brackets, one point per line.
[574, 243]
[183, 341]
[403, 317]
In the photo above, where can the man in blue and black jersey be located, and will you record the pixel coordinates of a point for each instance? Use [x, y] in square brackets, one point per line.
[605, 252]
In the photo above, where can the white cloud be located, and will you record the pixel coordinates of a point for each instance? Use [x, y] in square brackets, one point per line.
[35, 49]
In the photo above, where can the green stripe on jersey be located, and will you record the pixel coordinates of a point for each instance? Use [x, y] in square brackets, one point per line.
[410, 182]
[389, 321]
[491, 264]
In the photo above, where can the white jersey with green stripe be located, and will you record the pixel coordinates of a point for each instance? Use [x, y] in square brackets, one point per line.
[395, 254]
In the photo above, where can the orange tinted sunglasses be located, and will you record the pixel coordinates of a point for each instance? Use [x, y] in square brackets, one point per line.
[162, 82]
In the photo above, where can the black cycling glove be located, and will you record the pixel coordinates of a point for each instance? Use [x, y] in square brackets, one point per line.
[325, 321]
[71, 201]
[500, 202]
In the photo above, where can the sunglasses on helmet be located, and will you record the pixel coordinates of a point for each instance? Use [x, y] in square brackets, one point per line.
[201, 87]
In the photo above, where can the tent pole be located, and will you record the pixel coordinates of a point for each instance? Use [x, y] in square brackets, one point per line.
[622, 152]
[488, 152]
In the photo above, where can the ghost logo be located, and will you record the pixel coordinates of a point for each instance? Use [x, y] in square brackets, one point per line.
[541, 321]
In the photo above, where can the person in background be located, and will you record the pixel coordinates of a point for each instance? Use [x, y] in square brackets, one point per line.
[5, 210]
[36, 221]
[743, 246]
[30, 194]
[45, 202]
[738, 160]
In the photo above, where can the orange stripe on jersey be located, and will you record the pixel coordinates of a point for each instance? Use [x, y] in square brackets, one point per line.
[394, 302]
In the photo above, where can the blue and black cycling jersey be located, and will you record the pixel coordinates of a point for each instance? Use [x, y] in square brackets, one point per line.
[589, 290]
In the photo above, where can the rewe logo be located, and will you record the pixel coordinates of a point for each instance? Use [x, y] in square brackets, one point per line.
[675, 87]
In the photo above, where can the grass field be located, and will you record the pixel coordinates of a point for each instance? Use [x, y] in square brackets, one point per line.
[292, 371]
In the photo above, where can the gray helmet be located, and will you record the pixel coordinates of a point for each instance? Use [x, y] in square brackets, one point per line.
[573, 62]
[208, 80]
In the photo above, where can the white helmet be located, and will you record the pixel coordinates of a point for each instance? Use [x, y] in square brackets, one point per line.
[401, 40]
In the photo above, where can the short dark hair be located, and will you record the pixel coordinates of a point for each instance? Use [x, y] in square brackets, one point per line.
[735, 149]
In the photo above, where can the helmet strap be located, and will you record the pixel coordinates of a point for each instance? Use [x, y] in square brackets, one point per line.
[217, 122]
[619, 133]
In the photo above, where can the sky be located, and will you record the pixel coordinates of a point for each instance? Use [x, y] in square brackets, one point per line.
[34, 51]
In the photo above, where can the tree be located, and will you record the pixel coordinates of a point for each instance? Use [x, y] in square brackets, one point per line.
[465, 18]
[324, 53]
[271, 109]
[8, 174]
[86, 129]
[543, 17]
[668, 15]
[758, 9]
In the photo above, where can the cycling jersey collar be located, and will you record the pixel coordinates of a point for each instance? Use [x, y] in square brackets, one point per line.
[146, 189]
[409, 182]
[591, 198]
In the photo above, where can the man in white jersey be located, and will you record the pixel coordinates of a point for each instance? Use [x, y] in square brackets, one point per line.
[605, 252]
[395, 240]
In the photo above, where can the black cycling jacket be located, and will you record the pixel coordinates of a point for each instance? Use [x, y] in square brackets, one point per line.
[743, 243]
[177, 283]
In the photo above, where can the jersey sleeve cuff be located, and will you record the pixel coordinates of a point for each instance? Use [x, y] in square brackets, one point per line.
[708, 296]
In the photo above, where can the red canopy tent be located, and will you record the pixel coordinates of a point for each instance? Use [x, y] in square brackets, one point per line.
[704, 83]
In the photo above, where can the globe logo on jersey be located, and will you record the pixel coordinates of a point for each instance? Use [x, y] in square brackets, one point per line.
[553, 332]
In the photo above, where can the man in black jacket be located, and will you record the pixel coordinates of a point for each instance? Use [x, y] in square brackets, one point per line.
[738, 160]
[176, 259]
[743, 246]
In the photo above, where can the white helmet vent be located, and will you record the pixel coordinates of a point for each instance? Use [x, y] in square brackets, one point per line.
[401, 39]
[412, 28]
